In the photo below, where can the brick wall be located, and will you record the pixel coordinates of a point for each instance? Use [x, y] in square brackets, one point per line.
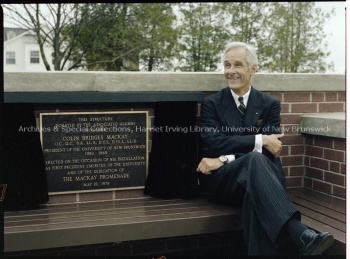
[295, 151]
[325, 168]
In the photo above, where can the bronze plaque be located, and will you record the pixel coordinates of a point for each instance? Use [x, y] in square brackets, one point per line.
[94, 151]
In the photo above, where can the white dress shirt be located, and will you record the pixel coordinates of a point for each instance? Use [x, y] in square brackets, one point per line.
[258, 137]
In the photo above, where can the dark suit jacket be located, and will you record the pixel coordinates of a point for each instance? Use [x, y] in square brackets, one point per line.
[224, 133]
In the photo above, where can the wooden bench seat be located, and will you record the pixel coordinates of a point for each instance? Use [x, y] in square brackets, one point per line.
[114, 221]
[322, 212]
[101, 222]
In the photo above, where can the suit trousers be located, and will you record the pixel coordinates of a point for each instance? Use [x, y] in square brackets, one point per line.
[251, 181]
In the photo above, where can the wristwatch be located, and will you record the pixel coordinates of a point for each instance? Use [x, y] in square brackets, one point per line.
[223, 159]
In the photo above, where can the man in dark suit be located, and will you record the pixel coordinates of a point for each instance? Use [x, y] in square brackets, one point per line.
[241, 128]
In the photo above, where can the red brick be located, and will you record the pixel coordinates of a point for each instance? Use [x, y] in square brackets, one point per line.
[343, 168]
[317, 97]
[319, 163]
[292, 140]
[314, 151]
[95, 196]
[314, 173]
[335, 178]
[296, 170]
[334, 155]
[279, 96]
[308, 182]
[304, 108]
[290, 128]
[339, 192]
[290, 119]
[297, 150]
[334, 167]
[322, 187]
[306, 160]
[309, 140]
[297, 97]
[285, 108]
[285, 151]
[62, 198]
[294, 182]
[125, 194]
[292, 160]
[331, 97]
[331, 107]
[341, 97]
[323, 142]
[340, 144]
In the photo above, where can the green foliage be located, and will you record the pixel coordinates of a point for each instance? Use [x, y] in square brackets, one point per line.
[132, 35]
[154, 22]
[186, 36]
[110, 35]
[203, 36]
[296, 41]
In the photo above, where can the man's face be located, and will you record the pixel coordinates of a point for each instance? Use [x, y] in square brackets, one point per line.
[237, 72]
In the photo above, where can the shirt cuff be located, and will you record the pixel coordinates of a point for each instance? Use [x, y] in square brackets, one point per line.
[230, 158]
[258, 143]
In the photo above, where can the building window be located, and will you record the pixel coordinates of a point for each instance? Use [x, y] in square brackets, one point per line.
[10, 57]
[34, 57]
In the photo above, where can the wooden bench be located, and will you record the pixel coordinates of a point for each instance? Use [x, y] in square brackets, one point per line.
[114, 221]
[323, 212]
[146, 218]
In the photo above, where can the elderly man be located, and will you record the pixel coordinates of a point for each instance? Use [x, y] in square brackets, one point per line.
[242, 133]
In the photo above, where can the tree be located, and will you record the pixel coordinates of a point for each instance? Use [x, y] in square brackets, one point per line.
[155, 23]
[203, 36]
[296, 39]
[115, 48]
[132, 36]
[248, 21]
[56, 25]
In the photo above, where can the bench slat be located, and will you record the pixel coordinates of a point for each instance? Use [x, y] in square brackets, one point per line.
[110, 210]
[320, 209]
[115, 221]
[322, 218]
[145, 218]
[320, 226]
[323, 200]
[75, 207]
[110, 214]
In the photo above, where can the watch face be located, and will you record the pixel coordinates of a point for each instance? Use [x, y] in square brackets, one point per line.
[223, 159]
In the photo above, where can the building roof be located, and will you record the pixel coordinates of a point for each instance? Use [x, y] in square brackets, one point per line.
[10, 33]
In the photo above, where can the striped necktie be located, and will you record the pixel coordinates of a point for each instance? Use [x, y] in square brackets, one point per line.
[241, 107]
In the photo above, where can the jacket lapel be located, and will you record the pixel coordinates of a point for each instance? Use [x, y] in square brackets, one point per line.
[229, 110]
[231, 114]
[254, 109]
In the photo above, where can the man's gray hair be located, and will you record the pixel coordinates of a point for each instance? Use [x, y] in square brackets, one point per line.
[252, 57]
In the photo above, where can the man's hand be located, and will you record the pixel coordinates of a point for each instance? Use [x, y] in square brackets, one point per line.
[272, 143]
[209, 164]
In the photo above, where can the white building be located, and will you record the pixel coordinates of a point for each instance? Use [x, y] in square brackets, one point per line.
[22, 52]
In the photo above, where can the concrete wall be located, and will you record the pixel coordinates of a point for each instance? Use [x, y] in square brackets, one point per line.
[315, 161]
[164, 81]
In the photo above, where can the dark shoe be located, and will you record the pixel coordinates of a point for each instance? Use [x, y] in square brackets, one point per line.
[315, 244]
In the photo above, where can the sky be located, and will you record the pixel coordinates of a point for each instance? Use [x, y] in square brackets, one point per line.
[335, 28]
